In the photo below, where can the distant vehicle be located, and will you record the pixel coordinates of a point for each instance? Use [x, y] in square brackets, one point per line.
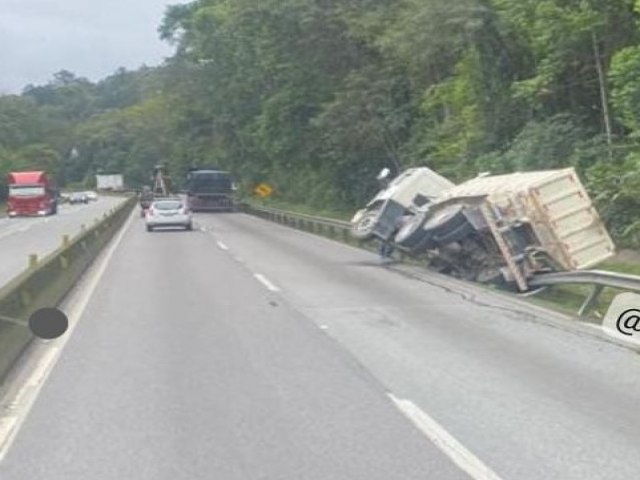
[78, 197]
[209, 190]
[113, 182]
[31, 193]
[168, 212]
[91, 195]
[146, 199]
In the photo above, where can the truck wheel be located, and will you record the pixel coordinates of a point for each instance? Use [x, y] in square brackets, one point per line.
[455, 235]
[411, 234]
[443, 227]
[189, 227]
[363, 228]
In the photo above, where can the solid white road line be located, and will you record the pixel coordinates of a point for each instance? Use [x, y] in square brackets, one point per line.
[222, 245]
[266, 282]
[442, 439]
[25, 398]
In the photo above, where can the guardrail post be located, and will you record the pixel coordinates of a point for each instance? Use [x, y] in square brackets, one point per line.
[33, 260]
[66, 240]
[591, 301]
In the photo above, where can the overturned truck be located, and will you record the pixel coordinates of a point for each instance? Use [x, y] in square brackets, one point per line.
[492, 229]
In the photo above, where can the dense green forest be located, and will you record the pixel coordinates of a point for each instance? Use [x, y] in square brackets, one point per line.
[315, 96]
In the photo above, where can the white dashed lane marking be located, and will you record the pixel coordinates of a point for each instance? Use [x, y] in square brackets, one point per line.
[266, 282]
[442, 439]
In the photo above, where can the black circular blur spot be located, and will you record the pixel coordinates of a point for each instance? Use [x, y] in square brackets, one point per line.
[48, 323]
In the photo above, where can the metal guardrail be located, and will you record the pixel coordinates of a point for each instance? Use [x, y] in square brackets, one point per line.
[340, 229]
[592, 277]
[328, 227]
[47, 280]
[600, 280]
[275, 213]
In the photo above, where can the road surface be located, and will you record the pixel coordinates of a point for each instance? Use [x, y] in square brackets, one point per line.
[246, 350]
[22, 236]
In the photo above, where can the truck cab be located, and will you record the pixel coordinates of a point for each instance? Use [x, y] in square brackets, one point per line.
[30, 194]
[402, 196]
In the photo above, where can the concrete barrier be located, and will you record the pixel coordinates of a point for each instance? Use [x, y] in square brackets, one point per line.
[49, 279]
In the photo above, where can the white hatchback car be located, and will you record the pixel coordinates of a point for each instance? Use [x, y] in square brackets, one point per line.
[168, 212]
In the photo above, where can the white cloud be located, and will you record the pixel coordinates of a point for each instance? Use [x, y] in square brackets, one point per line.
[90, 39]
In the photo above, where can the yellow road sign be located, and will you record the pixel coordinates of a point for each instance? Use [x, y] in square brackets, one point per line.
[264, 190]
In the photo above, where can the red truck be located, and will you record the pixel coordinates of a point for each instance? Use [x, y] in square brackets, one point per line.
[31, 193]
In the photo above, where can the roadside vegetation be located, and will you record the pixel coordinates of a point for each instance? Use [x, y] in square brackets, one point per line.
[279, 203]
[314, 97]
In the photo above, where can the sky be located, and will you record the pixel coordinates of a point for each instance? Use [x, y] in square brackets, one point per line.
[91, 38]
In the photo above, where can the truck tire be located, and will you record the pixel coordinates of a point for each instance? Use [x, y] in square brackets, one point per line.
[446, 222]
[458, 233]
[411, 234]
[363, 228]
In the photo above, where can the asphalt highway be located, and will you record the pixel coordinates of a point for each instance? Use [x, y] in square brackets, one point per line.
[22, 236]
[246, 350]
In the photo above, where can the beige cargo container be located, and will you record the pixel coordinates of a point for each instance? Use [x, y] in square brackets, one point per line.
[555, 204]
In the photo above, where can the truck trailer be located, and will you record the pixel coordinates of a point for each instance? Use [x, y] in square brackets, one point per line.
[114, 182]
[210, 190]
